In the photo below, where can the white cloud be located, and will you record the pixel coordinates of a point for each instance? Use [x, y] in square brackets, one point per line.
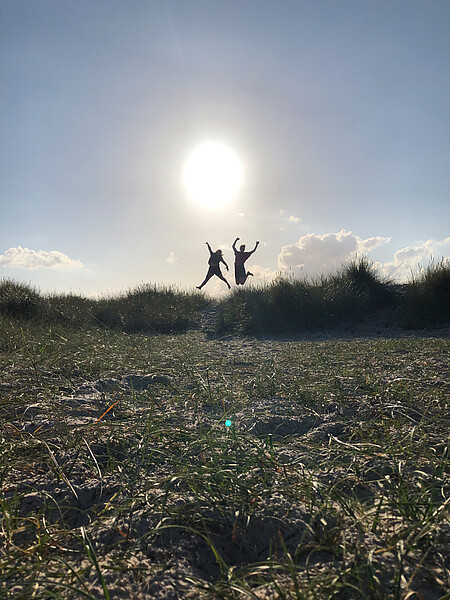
[225, 247]
[316, 254]
[172, 258]
[284, 219]
[438, 248]
[371, 243]
[408, 260]
[23, 258]
[261, 273]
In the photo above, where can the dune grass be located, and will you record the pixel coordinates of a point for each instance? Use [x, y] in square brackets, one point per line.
[146, 308]
[331, 482]
[426, 301]
[355, 295]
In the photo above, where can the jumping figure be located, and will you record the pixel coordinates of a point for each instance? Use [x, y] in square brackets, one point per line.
[240, 256]
[215, 258]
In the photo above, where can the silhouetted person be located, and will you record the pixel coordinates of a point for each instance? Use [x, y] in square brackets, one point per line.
[214, 267]
[240, 256]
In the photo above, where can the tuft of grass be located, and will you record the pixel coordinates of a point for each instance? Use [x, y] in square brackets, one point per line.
[19, 300]
[356, 291]
[151, 309]
[426, 301]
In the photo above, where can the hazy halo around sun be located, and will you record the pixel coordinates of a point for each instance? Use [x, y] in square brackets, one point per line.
[212, 174]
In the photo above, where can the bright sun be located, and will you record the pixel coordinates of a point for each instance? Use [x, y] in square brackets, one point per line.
[212, 174]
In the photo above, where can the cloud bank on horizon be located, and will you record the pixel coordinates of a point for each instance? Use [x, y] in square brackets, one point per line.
[312, 255]
[24, 258]
[408, 260]
[321, 254]
[316, 254]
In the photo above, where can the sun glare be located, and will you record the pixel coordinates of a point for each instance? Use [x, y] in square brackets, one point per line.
[212, 174]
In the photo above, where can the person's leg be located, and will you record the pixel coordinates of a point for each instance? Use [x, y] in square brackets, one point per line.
[209, 274]
[243, 275]
[239, 273]
[220, 276]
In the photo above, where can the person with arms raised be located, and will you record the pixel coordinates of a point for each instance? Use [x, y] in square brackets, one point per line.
[240, 256]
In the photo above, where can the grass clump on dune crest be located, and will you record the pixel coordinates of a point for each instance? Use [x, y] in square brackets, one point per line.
[295, 305]
[147, 308]
[353, 296]
[150, 308]
[427, 297]
[19, 300]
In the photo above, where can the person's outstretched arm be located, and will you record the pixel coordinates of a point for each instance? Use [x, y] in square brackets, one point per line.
[234, 244]
[222, 259]
[209, 248]
[254, 249]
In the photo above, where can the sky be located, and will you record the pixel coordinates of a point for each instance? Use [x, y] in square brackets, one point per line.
[335, 114]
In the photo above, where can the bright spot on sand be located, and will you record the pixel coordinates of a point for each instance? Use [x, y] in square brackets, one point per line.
[228, 423]
[212, 174]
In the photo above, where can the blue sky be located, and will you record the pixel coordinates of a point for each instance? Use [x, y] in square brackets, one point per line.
[337, 111]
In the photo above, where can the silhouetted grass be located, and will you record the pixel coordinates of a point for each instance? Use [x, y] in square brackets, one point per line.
[294, 305]
[19, 300]
[426, 301]
[353, 296]
[147, 308]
